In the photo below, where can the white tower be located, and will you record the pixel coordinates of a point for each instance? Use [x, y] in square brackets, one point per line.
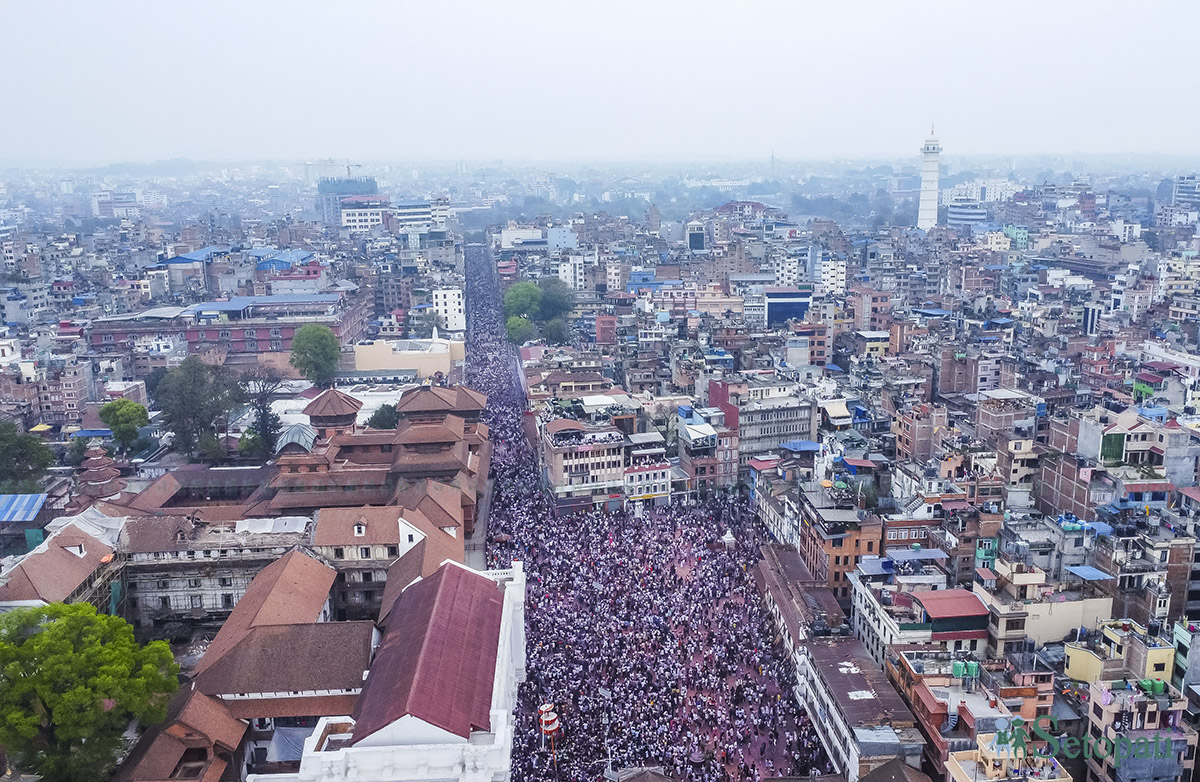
[927, 212]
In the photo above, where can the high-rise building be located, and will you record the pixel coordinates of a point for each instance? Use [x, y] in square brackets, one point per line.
[1186, 191]
[330, 193]
[927, 213]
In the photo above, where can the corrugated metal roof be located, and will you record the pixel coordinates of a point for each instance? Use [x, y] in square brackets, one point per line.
[950, 603]
[1089, 573]
[20, 507]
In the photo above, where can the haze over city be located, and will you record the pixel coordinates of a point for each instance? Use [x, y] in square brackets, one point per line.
[531, 81]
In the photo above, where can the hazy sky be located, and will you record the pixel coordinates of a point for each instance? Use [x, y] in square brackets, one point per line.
[89, 82]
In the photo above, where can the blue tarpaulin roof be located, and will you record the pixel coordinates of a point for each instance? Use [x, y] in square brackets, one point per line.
[801, 445]
[92, 433]
[20, 507]
[1089, 573]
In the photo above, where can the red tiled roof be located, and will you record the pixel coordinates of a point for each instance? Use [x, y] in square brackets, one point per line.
[421, 561]
[437, 661]
[1140, 486]
[335, 654]
[194, 721]
[332, 404]
[451, 429]
[858, 462]
[291, 589]
[440, 399]
[439, 502]
[56, 568]
[309, 706]
[335, 526]
[950, 603]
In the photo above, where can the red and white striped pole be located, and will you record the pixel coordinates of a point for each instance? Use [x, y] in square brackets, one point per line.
[550, 726]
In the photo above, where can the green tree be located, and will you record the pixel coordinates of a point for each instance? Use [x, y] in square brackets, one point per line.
[72, 681]
[25, 459]
[124, 417]
[557, 299]
[520, 330]
[556, 331]
[193, 398]
[315, 352]
[384, 417]
[212, 448]
[259, 386]
[249, 444]
[153, 379]
[524, 299]
[77, 452]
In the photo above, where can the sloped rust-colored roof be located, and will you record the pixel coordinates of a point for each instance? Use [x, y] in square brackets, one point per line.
[429, 399]
[332, 404]
[319, 656]
[292, 589]
[56, 568]
[437, 661]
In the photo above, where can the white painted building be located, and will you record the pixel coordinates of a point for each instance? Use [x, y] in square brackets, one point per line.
[833, 277]
[448, 302]
[362, 218]
[458, 724]
[570, 271]
[787, 269]
[986, 190]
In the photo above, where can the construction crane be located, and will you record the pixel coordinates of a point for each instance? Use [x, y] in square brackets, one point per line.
[348, 167]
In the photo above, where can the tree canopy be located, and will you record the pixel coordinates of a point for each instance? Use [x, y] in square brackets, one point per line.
[520, 330]
[523, 299]
[26, 459]
[385, 417]
[193, 397]
[557, 299]
[556, 331]
[259, 385]
[315, 352]
[124, 417]
[73, 680]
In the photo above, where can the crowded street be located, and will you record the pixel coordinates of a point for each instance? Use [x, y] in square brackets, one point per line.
[644, 629]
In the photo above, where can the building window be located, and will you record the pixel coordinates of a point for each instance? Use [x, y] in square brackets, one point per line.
[360, 530]
[364, 552]
[393, 551]
[193, 583]
[197, 601]
[339, 553]
[227, 600]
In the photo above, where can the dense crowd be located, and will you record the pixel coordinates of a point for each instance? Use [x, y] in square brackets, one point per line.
[644, 630]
